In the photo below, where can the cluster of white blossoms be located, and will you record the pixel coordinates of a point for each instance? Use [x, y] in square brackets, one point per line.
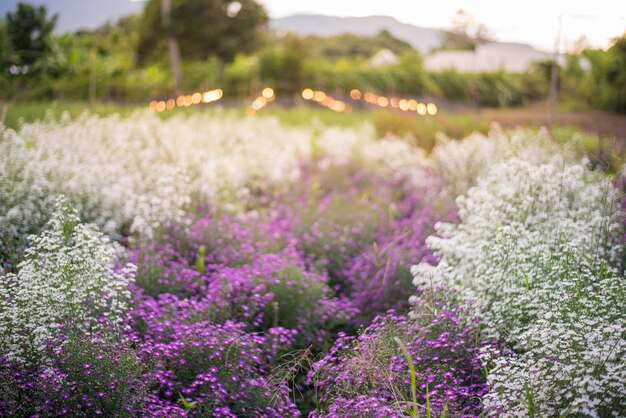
[68, 277]
[126, 173]
[533, 252]
[461, 162]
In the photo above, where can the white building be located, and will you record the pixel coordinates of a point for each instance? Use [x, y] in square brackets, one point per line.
[383, 57]
[507, 56]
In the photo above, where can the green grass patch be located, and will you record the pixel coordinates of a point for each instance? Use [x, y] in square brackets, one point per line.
[29, 112]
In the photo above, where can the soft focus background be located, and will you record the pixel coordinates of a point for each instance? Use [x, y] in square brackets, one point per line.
[530, 63]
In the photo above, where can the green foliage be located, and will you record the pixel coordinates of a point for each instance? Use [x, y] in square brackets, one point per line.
[355, 46]
[4, 58]
[593, 78]
[202, 28]
[28, 55]
[129, 60]
[200, 75]
[493, 89]
[498, 90]
[241, 74]
[450, 84]
[151, 81]
[405, 77]
[282, 65]
[200, 266]
[19, 113]
[100, 64]
[422, 131]
[29, 35]
[409, 360]
[609, 77]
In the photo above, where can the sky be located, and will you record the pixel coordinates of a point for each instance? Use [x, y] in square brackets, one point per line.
[528, 21]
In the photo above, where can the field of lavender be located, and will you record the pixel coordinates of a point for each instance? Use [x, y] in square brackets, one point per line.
[214, 266]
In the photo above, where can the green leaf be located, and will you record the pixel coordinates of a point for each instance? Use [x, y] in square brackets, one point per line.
[409, 359]
[200, 260]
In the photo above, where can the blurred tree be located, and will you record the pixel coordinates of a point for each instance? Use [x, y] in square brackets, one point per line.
[466, 32]
[351, 45]
[616, 75]
[242, 75]
[95, 63]
[201, 28]
[410, 73]
[172, 45]
[5, 83]
[386, 40]
[282, 64]
[4, 44]
[29, 38]
[29, 56]
[604, 86]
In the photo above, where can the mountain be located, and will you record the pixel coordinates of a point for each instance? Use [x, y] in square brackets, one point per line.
[493, 56]
[90, 14]
[422, 39]
[80, 14]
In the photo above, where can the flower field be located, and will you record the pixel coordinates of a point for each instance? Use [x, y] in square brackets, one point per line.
[214, 266]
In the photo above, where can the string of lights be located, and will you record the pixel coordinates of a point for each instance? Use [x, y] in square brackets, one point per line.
[320, 97]
[267, 95]
[187, 100]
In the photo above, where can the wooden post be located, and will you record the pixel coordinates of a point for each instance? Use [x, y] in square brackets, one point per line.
[172, 45]
[92, 74]
[554, 73]
[3, 115]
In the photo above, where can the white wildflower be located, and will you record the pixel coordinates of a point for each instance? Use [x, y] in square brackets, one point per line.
[67, 277]
[532, 253]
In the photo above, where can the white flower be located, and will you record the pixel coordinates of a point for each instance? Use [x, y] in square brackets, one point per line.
[140, 170]
[67, 277]
[532, 252]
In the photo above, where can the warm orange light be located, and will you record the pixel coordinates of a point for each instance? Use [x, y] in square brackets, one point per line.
[404, 105]
[170, 104]
[355, 94]
[431, 108]
[319, 96]
[196, 98]
[268, 93]
[412, 105]
[212, 95]
[307, 94]
[370, 97]
[188, 100]
[394, 101]
[421, 109]
[160, 107]
[180, 101]
[338, 106]
[382, 101]
[153, 105]
[259, 103]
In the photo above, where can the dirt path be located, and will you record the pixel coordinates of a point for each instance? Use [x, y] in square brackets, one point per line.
[604, 124]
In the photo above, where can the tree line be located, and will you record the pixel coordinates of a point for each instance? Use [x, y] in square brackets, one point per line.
[179, 46]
